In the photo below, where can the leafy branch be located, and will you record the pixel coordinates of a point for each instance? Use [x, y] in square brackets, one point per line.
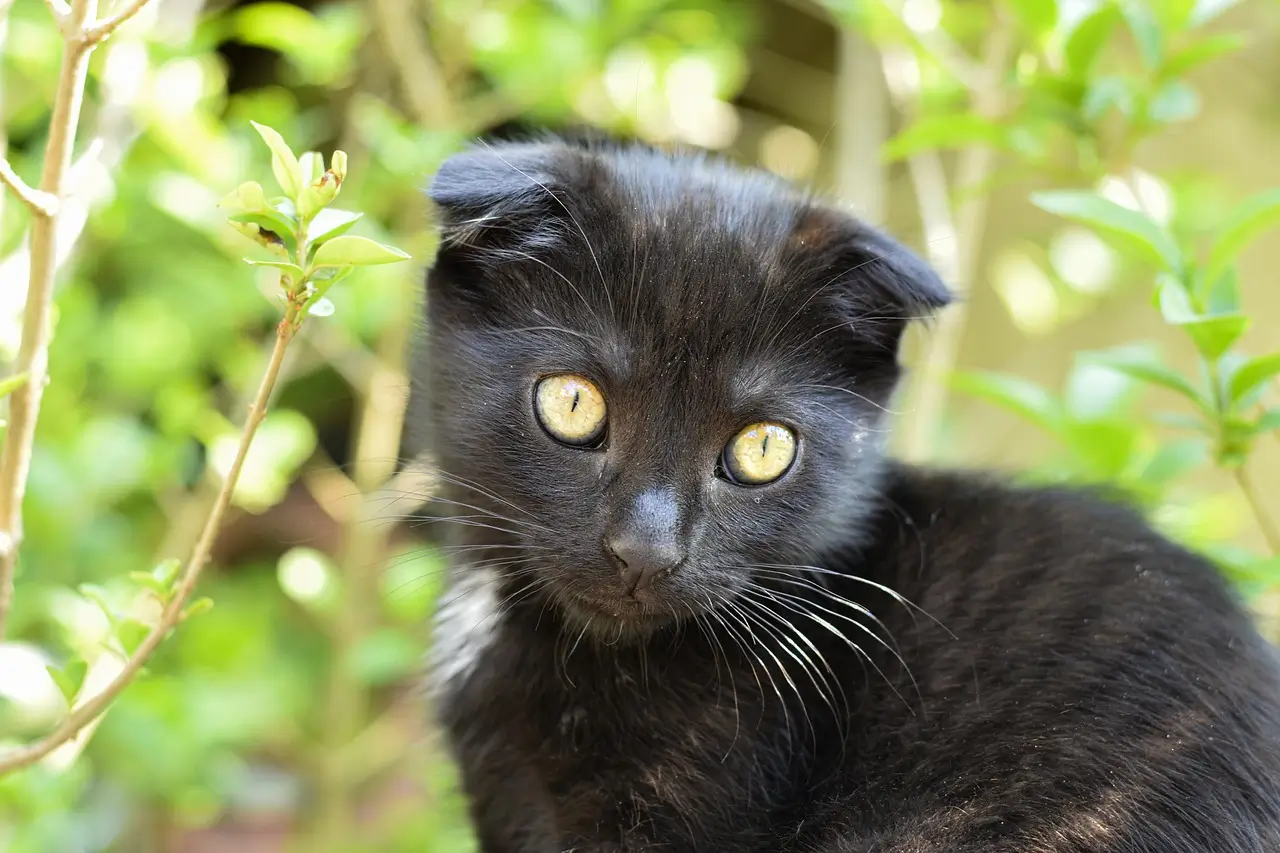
[81, 31]
[313, 253]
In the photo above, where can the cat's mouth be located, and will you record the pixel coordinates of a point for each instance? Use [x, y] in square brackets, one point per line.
[615, 615]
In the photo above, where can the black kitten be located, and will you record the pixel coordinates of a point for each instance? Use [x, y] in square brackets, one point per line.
[693, 607]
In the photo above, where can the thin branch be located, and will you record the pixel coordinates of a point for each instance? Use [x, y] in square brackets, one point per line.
[1268, 526]
[88, 711]
[59, 10]
[40, 202]
[426, 91]
[862, 126]
[33, 351]
[100, 30]
[956, 258]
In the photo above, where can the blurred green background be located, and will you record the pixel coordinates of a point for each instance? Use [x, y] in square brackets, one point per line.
[290, 717]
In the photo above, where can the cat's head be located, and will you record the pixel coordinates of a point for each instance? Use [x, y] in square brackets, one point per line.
[655, 379]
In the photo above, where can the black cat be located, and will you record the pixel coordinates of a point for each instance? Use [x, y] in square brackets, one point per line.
[693, 607]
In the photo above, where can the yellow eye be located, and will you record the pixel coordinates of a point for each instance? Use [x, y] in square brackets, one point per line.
[571, 409]
[760, 454]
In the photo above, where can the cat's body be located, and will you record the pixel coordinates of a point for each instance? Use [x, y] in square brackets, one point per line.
[854, 657]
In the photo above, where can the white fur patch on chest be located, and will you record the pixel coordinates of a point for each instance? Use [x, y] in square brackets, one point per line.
[466, 623]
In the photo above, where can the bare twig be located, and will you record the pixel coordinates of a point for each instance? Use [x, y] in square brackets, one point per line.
[956, 258]
[86, 712]
[420, 77]
[59, 10]
[1270, 531]
[862, 126]
[33, 351]
[40, 202]
[104, 28]
[364, 545]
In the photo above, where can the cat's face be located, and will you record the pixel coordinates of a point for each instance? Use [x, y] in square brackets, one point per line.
[655, 381]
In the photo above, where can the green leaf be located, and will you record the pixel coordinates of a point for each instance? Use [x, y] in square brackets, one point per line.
[1104, 447]
[1146, 32]
[320, 308]
[949, 131]
[1037, 16]
[284, 165]
[98, 596]
[1253, 373]
[1214, 335]
[69, 678]
[1174, 102]
[1244, 223]
[252, 226]
[1147, 367]
[1175, 459]
[146, 580]
[1088, 38]
[1260, 570]
[1269, 421]
[12, 383]
[330, 223]
[196, 608]
[1137, 229]
[310, 167]
[1197, 54]
[1017, 395]
[1107, 92]
[131, 633]
[293, 270]
[1174, 301]
[356, 252]
[1206, 10]
[384, 657]
[167, 571]
[1224, 293]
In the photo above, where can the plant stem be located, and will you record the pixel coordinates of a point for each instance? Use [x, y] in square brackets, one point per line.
[376, 449]
[33, 351]
[1270, 531]
[954, 244]
[84, 713]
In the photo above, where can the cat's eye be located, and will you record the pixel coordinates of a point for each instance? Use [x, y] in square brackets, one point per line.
[759, 454]
[571, 409]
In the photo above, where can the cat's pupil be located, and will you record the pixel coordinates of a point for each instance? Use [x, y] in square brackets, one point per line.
[764, 446]
[574, 406]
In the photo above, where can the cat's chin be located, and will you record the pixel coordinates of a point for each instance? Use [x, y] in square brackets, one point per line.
[615, 620]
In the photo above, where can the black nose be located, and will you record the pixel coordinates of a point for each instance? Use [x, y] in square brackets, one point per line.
[641, 561]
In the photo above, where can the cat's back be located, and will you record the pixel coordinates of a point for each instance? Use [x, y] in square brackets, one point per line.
[1059, 649]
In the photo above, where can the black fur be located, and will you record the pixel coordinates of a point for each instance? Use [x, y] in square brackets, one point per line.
[861, 657]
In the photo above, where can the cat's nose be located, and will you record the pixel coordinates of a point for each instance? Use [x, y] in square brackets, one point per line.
[641, 560]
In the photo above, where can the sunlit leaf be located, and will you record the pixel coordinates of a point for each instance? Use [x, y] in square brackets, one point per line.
[1174, 102]
[331, 222]
[1020, 396]
[1246, 222]
[1200, 52]
[356, 251]
[1269, 421]
[1176, 459]
[1214, 335]
[1147, 367]
[950, 131]
[131, 633]
[1138, 230]
[1037, 16]
[284, 165]
[1107, 92]
[1146, 31]
[1088, 38]
[69, 678]
[1253, 373]
[322, 307]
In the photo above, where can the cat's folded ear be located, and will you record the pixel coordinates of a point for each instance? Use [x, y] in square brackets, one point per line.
[875, 282]
[495, 197]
